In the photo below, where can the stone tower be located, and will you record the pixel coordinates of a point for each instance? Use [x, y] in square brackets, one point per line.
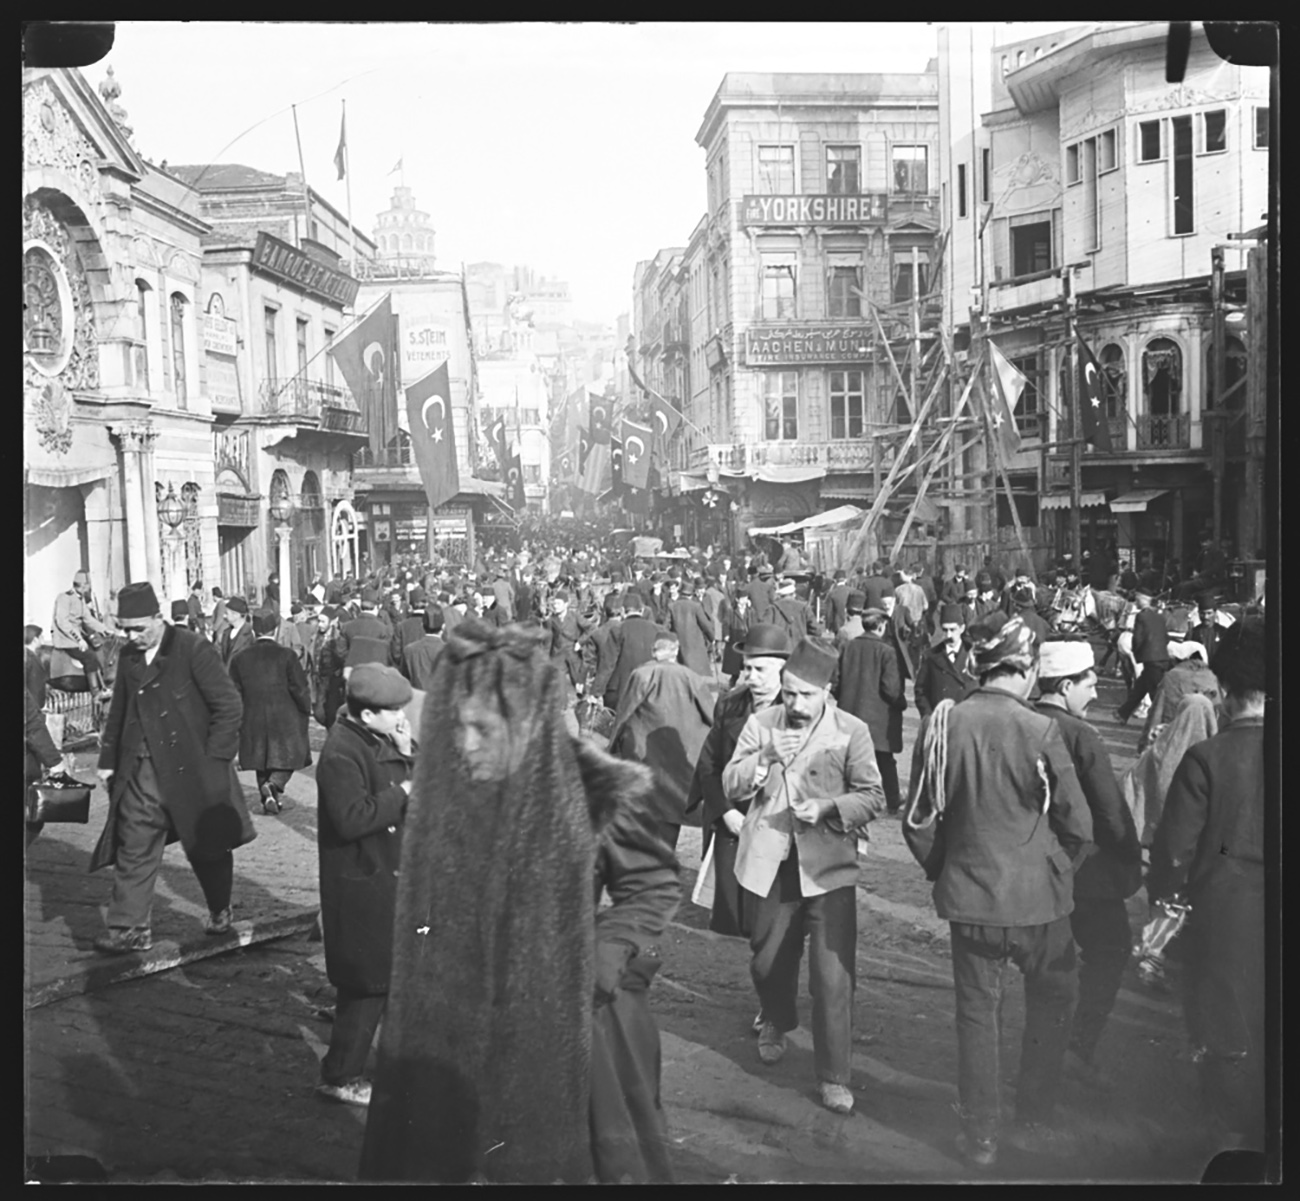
[403, 233]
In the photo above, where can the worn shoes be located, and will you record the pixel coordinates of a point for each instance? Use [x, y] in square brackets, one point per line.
[270, 799]
[836, 1097]
[219, 923]
[771, 1043]
[356, 1092]
[122, 941]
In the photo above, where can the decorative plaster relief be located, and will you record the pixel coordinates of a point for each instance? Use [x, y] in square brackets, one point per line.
[52, 139]
[81, 371]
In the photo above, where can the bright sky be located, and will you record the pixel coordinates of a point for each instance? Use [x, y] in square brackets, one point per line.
[566, 147]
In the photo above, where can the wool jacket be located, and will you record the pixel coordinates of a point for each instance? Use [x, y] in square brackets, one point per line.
[1150, 637]
[185, 712]
[232, 643]
[359, 813]
[634, 644]
[836, 606]
[277, 703]
[870, 686]
[836, 760]
[695, 632]
[1014, 820]
[939, 679]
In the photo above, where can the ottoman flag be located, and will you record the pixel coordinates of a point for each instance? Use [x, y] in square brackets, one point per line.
[433, 435]
[598, 466]
[367, 359]
[637, 441]
[1092, 413]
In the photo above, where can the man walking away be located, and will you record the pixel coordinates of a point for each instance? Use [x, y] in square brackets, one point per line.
[419, 658]
[277, 703]
[1112, 872]
[166, 757]
[994, 816]
[798, 856]
[1150, 650]
[870, 686]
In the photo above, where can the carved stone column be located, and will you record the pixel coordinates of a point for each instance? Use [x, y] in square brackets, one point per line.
[149, 495]
[140, 517]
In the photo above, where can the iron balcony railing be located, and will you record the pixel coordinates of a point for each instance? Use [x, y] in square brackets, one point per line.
[333, 407]
[1164, 433]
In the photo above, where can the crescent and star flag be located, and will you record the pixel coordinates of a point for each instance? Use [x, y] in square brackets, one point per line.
[600, 423]
[584, 448]
[1010, 383]
[433, 436]
[616, 464]
[340, 155]
[500, 448]
[664, 418]
[515, 496]
[367, 359]
[1092, 413]
[637, 442]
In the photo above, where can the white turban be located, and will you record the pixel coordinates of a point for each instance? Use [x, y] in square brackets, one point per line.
[1065, 658]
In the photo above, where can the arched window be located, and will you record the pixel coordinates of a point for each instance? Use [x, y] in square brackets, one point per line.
[1162, 377]
[1020, 58]
[1234, 369]
[178, 346]
[1006, 64]
[406, 241]
[1112, 367]
[143, 298]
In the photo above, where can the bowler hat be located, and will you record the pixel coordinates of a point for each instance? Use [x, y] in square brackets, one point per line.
[369, 597]
[812, 664]
[855, 602]
[375, 686]
[237, 604]
[137, 600]
[763, 639]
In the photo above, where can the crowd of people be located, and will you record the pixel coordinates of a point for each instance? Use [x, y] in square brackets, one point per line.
[756, 699]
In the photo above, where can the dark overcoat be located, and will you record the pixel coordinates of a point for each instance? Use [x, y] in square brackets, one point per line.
[870, 687]
[634, 641]
[359, 813]
[232, 643]
[694, 630]
[836, 606]
[186, 709]
[368, 625]
[794, 617]
[277, 703]
[937, 679]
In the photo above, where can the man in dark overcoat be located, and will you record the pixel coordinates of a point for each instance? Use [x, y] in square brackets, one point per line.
[792, 614]
[367, 625]
[836, 602]
[167, 759]
[870, 686]
[409, 630]
[604, 651]
[944, 671]
[419, 658]
[634, 641]
[1151, 650]
[695, 632]
[363, 781]
[238, 633]
[277, 703]
[1210, 847]
[762, 595]
[763, 650]
[662, 721]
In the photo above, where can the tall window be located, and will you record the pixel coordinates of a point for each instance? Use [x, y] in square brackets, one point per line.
[903, 289]
[1026, 410]
[842, 170]
[1261, 129]
[1149, 146]
[986, 175]
[961, 189]
[848, 404]
[842, 282]
[1031, 248]
[178, 346]
[1116, 376]
[781, 405]
[776, 170]
[778, 287]
[1091, 210]
[1214, 131]
[1184, 212]
[1234, 369]
[300, 385]
[910, 174]
[329, 358]
[272, 353]
[1162, 377]
[142, 298]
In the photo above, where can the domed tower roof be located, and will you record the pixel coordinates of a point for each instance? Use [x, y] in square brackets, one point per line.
[404, 233]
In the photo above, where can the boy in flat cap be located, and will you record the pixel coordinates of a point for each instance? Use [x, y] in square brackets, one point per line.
[363, 780]
[811, 770]
[166, 757]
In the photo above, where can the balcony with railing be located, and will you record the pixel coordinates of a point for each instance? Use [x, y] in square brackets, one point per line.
[330, 408]
[840, 455]
[1171, 432]
[391, 458]
[1025, 291]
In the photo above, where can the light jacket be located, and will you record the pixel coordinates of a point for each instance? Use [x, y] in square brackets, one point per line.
[837, 759]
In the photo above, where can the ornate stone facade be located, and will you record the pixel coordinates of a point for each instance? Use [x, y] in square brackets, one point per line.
[81, 370]
[52, 139]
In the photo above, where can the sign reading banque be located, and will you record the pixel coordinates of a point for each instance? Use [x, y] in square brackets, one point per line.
[279, 259]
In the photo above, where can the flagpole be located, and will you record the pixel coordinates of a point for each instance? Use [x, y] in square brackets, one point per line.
[306, 196]
[1000, 471]
[347, 175]
[1076, 428]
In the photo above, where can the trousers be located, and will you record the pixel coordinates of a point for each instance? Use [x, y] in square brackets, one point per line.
[356, 1018]
[1045, 956]
[1147, 684]
[277, 777]
[1101, 931]
[889, 779]
[781, 922]
[142, 831]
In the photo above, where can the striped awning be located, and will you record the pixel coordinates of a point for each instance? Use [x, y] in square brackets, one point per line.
[1061, 500]
[1136, 502]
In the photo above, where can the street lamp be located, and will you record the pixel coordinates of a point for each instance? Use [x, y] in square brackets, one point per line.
[281, 506]
[170, 509]
[281, 510]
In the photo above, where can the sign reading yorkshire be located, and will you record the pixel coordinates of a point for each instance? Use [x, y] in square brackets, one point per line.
[812, 210]
[769, 345]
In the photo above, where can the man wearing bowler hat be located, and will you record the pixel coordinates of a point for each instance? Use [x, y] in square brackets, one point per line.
[763, 651]
[166, 757]
[238, 634]
[811, 771]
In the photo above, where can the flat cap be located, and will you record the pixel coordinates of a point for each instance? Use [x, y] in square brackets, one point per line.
[378, 687]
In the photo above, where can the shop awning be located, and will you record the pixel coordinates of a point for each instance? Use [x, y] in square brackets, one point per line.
[67, 477]
[1061, 500]
[691, 482]
[1136, 502]
[771, 473]
[839, 516]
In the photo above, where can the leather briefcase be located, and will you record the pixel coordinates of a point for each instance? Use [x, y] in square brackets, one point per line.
[59, 801]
